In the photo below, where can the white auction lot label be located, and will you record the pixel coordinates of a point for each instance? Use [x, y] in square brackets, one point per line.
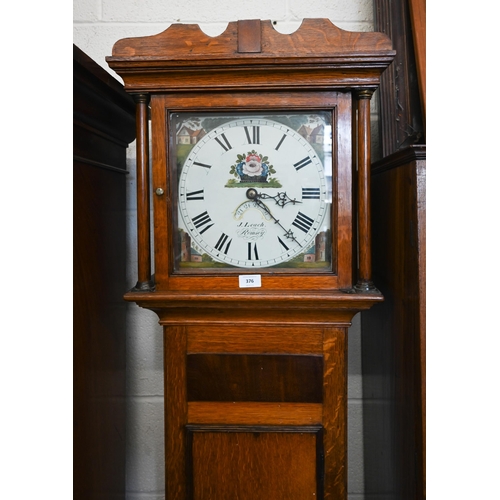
[250, 281]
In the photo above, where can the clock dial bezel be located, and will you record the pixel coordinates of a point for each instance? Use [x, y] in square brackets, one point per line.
[338, 104]
[278, 227]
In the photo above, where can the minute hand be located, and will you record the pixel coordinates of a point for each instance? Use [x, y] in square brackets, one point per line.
[253, 195]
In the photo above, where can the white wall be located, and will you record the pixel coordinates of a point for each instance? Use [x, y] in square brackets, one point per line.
[98, 24]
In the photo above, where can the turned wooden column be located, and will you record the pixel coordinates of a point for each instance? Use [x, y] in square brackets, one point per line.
[364, 283]
[143, 202]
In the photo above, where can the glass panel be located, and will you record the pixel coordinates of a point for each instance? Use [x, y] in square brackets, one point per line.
[254, 191]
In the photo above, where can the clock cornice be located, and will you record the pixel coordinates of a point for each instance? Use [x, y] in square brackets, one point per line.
[317, 55]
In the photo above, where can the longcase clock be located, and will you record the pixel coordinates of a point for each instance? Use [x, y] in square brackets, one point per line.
[261, 229]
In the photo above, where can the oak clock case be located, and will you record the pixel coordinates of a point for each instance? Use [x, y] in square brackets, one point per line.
[260, 166]
[253, 191]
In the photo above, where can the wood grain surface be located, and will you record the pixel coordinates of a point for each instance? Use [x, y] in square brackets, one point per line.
[250, 465]
[260, 339]
[315, 38]
[255, 377]
[255, 413]
[174, 340]
[335, 412]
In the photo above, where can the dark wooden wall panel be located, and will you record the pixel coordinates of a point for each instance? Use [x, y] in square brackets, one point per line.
[418, 23]
[393, 334]
[401, 110]
[103, 126]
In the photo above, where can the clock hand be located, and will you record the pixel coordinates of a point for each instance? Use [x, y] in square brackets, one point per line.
[253, 195]
[281, 199]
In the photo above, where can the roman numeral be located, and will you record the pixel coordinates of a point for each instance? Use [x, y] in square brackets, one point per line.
[281, 142]
[254, 253]
[202, 220]
[303, 222]
[195, 195]
[222, 241]
[204, 165]
[255, 139]
[283, 243]
[226, 146]
[302, 163]
[310, 193]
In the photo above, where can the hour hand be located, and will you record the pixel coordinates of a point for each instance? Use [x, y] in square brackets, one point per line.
[281, 199]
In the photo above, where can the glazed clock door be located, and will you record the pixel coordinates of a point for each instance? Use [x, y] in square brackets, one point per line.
[266, 192]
